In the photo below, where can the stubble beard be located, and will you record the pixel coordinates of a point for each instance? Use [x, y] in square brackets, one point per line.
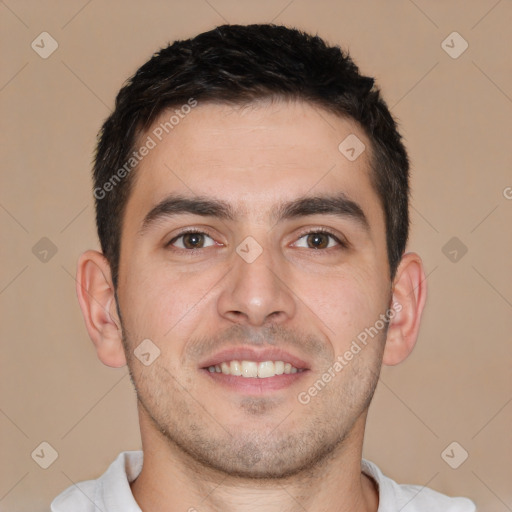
[302, 439]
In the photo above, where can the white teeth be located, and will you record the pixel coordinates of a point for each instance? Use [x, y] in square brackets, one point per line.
[249, 369]
[266, 369]
[252, 369]
[235, 368]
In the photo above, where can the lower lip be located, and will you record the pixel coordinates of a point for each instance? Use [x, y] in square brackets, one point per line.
[254, 385]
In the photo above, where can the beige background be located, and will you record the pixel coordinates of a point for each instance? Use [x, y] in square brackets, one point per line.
[455, 115]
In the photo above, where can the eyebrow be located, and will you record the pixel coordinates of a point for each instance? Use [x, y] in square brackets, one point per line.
[173, 205]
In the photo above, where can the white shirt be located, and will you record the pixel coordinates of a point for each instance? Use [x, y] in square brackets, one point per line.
[112, 493]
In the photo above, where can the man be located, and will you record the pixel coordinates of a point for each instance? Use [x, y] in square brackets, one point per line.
[252, 207]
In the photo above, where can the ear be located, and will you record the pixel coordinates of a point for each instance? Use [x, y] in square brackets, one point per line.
[97, 300]
[409, 296]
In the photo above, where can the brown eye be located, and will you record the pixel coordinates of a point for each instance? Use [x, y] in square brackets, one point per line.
[318, 240]
[192, 240]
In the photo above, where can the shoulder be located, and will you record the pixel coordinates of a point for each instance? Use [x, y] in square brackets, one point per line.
[111, 491]
[80, 497]
[412, 498]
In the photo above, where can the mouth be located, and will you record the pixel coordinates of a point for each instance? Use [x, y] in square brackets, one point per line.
[254, 371]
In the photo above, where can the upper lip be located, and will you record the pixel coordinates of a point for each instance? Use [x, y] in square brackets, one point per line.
[246, 353]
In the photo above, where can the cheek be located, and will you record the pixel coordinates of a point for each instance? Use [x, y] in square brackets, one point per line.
[345, 303]
[162, 304]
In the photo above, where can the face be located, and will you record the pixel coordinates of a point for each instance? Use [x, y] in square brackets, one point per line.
[268, 247]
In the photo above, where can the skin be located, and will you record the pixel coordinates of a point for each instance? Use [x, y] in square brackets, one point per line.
[207, 447]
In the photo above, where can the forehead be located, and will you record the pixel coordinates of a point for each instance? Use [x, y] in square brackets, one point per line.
[252, 157]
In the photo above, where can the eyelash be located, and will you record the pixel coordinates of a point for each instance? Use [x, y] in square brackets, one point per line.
[324, 231]
[343, 244]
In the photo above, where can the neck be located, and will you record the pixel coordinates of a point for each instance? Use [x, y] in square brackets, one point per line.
[172, 480]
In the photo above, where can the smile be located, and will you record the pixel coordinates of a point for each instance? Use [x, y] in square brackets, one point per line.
[253, 369]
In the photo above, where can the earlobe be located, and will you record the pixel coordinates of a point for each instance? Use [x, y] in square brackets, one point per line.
[96, 296]
[408, 301]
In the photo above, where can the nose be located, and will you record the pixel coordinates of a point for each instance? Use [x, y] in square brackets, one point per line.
[257, 292]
